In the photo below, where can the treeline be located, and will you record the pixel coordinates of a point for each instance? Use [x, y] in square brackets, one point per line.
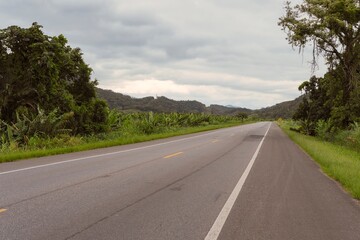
[331, 104]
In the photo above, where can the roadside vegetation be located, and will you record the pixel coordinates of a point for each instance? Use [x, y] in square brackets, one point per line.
[43, 135]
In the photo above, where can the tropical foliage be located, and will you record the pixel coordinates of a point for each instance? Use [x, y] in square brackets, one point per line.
[46, 131]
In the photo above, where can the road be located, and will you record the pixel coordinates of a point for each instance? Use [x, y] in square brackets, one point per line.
[247, 182]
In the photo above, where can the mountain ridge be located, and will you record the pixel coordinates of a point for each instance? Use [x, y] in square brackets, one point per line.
[163, 104]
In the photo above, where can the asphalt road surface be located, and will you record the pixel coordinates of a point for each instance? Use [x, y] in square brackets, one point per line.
[247, 182]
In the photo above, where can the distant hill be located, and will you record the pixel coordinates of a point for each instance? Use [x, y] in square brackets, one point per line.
[281, 110]
[225, 110]
[160, 104]
[163, 104]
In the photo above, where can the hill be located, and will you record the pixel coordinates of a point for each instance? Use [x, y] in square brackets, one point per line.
[281, 110]
[163, 104]
[227, 110]
[160, 104]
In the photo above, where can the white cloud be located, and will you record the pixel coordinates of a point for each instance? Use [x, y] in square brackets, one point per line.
[152, 87]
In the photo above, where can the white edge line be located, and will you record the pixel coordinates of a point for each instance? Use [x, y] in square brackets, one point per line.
[216, 228]
[105, 154]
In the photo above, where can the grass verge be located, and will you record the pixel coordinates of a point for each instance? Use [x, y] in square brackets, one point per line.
[94, 144]
[338, 162]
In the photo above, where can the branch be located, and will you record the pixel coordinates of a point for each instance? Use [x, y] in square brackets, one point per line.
[335, 51]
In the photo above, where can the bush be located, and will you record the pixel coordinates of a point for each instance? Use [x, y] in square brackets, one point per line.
[63, 140]
[353, 137]
[25, 127]
[91, 117]
[324, 130]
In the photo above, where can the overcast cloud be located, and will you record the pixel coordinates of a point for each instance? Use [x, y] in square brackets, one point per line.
[228, 52]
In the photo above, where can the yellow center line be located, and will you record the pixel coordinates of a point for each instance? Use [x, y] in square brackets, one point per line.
[173, 155]
[2, 210]
[215, 141]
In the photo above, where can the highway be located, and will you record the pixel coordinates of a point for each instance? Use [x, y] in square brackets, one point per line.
[246, 182]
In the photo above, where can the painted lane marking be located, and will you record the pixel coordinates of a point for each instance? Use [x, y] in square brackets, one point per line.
[2, 210]
[215, 141]
[173, 155]
[216, 228]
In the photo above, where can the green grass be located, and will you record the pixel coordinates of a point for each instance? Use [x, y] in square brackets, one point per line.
[338, 162]
[94, 143]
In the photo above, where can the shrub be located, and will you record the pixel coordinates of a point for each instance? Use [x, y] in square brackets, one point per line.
[324, 130]
[41, 124]
[354, 136]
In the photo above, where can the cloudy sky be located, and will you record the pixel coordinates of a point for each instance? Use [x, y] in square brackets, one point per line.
[228, 52]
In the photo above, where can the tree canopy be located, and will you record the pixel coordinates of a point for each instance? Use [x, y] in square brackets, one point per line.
[331, 27]
[37, 70]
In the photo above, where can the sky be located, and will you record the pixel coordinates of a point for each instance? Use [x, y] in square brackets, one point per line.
[228, 52]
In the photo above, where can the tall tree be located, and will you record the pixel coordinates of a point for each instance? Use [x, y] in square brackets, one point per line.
[315, 105]
[332, 28]
[39, 70]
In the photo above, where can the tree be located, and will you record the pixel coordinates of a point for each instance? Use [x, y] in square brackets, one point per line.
[242, 116]
[332, 27]
[315, 105]
[39, 70]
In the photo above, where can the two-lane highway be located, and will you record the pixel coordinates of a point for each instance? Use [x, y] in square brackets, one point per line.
[247, 182]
